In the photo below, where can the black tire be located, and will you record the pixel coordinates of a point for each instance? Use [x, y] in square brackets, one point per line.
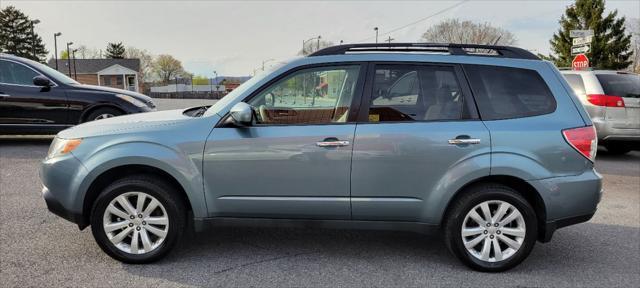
[617, 148]
[102, 111]
[472, 197]
[153, 186]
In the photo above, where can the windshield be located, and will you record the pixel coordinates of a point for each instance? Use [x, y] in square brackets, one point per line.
[242, 89]
[53, 73]
[623, 85]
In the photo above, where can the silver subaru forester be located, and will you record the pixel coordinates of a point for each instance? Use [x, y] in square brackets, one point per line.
[484, 145]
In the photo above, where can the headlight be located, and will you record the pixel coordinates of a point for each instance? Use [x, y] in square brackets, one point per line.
[61, 146]
[131, 100]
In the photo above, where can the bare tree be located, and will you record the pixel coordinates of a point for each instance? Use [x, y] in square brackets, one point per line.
[633, 27]
[146, 62]
[312, 46]
[167, 67]
[85, 52]
[467, 32]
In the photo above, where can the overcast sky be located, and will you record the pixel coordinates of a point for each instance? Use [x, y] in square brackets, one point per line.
[235, 37]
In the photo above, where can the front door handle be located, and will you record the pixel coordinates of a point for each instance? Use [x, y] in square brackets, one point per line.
[332, 142]
[464, 141]
[3, 95]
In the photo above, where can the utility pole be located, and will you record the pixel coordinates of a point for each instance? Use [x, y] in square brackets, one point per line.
[33, 37]
[318, 48]
[75, 68]
[215, 74]
[69, 57]
[376, 29]
[55, 47]
[390, 39]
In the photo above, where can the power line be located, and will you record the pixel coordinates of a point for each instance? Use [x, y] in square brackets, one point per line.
[418, 21]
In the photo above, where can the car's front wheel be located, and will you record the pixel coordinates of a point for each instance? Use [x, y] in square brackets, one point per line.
[137, 219]
[491, 228]
[103, 113]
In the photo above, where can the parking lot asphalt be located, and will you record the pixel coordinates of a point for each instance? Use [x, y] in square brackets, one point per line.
[40, 249]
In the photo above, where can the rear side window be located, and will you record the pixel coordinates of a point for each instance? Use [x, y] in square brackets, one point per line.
[576, 83]
[415, 93]
[505, 92]
[623, 85]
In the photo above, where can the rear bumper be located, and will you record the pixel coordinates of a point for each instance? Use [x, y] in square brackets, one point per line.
[568, 200]
[606, 132]
[551, 226]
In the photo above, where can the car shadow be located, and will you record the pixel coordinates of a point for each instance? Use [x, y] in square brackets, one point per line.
[317, 257]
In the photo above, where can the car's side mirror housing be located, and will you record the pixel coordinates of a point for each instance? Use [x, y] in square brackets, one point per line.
[41, 81]
[241, 114]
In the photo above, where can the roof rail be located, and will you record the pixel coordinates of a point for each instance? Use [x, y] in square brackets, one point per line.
[451, 48]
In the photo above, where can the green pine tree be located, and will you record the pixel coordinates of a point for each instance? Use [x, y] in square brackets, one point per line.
[611, 46]
[115, 50]
[17, 36]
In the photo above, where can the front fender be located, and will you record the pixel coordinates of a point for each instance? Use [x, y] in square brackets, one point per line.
[176, 163]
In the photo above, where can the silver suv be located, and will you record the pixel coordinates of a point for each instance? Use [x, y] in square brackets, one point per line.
[491, 151]
[612, 99]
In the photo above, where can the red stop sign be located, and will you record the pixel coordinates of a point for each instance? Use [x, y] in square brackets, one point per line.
[580, 62]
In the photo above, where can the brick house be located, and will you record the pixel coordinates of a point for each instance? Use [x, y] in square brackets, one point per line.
[116, 73]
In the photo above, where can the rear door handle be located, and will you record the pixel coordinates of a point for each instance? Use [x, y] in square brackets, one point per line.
[3, 95]
[332, 142]
[464, 141]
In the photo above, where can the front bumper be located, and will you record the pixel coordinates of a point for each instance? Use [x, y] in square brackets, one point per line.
[56, 208]
[61, 178]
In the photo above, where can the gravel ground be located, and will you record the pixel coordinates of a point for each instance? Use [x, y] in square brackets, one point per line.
[40, 249]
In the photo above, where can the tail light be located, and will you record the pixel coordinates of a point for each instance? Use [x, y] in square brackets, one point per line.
[605, 100]
[584, 140]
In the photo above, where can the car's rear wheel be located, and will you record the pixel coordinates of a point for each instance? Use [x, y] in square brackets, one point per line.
[103, 113]
[491, 228]
[137, 219]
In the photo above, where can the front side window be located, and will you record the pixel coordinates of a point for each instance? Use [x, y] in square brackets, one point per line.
[309, 96]
[17, 74]
[506, 93]
[415, 93]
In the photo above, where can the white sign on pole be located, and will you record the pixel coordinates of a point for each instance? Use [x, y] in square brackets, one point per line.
[582, 40]
[580, 33]
[580, 49]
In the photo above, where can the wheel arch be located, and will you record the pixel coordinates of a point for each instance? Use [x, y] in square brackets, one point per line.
[109, 176]
[87, 111]
[521, 186]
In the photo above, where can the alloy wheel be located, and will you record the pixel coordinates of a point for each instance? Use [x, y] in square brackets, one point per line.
[136, 222]
[493, 231]
[103, 116]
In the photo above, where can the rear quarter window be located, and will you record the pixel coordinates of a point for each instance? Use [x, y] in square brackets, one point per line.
[506, 93]
[576, 83]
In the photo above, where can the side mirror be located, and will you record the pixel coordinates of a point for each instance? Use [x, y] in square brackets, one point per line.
[241, 114]
[41, 81]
